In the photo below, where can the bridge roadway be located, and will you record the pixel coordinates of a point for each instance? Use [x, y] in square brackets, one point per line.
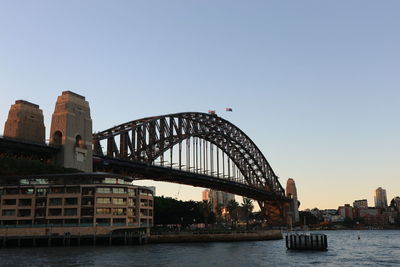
[140, 170]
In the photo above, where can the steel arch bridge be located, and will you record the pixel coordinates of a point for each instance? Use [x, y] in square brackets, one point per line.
[191, 148]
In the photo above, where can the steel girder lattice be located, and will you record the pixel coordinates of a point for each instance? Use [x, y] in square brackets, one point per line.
[147, 139]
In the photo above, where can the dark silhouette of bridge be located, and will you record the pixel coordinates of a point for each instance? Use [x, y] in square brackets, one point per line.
[197, 149]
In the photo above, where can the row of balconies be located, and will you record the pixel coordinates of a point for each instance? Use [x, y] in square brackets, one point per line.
[73, 212]
[74, 202]
[84, 191]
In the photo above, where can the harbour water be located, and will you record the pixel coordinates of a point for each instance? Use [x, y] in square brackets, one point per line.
[374, 248]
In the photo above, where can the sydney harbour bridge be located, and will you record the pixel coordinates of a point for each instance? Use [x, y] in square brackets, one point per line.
[191, 148]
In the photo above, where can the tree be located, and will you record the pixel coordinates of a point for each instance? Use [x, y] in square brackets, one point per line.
[205, 210]
[247, 207]
[232, 208]
[307, 218]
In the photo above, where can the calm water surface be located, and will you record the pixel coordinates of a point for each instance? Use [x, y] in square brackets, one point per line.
[375, 248]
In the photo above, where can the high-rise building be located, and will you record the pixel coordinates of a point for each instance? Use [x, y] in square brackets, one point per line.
[291, 192]
[205, 195]
[380, 198]
[218, 199]
[360, 204]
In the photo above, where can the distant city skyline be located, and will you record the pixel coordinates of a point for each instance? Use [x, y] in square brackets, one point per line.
[315, 85]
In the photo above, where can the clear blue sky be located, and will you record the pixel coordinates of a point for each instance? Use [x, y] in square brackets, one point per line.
[315, 84]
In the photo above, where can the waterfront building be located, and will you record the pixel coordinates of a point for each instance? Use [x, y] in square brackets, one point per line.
[291, 192]
[219, 199]
[380, 198]
[346, 211]
[363, 203]
[80, 203]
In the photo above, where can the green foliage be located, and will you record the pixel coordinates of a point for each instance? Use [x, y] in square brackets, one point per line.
[247, 208]
[233, 208]
[205, 210]
[308, 218]
[171, 211]
[349, 222]
[12, 166]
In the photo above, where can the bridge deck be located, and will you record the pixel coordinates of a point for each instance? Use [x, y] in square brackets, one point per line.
[158, 173]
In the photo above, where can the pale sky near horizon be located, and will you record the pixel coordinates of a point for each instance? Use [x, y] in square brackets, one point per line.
[315, 84]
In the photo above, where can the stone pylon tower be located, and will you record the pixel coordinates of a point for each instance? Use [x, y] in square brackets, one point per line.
[71, 128]
[291, 192]
[25, 122]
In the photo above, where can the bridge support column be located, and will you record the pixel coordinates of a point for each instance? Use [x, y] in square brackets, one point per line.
[71, 128]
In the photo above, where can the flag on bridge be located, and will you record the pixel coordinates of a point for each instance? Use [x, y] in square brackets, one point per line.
[228, 109]
[212, 112]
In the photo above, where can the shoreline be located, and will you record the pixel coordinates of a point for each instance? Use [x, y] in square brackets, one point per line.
[187, 237]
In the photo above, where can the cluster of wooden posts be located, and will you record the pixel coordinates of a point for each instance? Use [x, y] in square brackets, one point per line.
[306, 242]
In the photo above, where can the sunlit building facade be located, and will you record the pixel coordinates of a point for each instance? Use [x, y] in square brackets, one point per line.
[83, 203]
[380, 198]
[360, 204]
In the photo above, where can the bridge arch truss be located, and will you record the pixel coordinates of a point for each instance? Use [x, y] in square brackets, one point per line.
[196, 142]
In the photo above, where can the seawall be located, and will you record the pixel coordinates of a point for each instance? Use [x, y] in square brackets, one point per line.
[215, 237]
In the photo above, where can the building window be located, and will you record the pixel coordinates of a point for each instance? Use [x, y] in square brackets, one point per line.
[143, 212]
[103, 190]
[42, 191]
[41, 202]
[55, 202]
[87, 201]
[119, 190]
[12, 191]
[119, 211]
[24, 213]
[110, 181]
[40, 212]
[103, 200]
[8, 213]
[73, 190]
[119, 221]
[87, 191]
[86, 212]
[146, 192]
[131, 202]
[70, 212]
[119, 201]
[131, 212]
[55, 212]
[25, 202]
[27, 191]
[103, 211]
[10, 202]
[144, 203]
[57, 190]
[71, 201]
[131, 192]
